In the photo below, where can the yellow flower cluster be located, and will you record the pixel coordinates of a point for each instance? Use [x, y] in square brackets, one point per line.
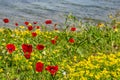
[100, 67]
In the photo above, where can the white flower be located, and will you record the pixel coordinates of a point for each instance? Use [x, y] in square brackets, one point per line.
[44, 52]
[3, 39]
[64, 73]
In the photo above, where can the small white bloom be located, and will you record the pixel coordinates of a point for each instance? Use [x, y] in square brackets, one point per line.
[64, 73]
[44, 52]
[3, 39]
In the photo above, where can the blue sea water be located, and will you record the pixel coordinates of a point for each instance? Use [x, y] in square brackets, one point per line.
[39, 10]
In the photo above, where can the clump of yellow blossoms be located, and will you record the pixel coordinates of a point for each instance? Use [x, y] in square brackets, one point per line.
[99, 67]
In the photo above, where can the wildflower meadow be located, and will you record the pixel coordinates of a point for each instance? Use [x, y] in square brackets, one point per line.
[51, 51]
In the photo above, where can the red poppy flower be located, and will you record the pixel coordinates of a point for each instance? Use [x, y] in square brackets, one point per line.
[34, 34]
[26, 23]
[73, 29]
[10, 48]
[39, 66]
[34, 22]
[38, 27]
[6, 20]
[71, 40]
[27, 48]
[30, 28]
[16, 24]
[52, 69]
[53, 41]
[40, 47]
[48, 21]
[56, 37]
[27, 56]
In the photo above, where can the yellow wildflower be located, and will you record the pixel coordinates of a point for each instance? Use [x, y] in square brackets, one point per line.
[101, 25]
[0, 57]
[83, 78]
[114, 74]
[118, 22]
[26, 60]
[28, 41]
[40, 61]
[82, 73]
[30, 67]
[38, 31]
[32, 54]
[1, 70]
[33, 58]
[87, 72]
[116, 30]
[29, 24]
[97, 77]
[75, 58]
[26, 32]
[1, 29]
[22, 67]
[110, 16]
[91, 74]
[3, 44]
[118, 69]
[22, 27]
[30, 63]
[104, 71]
